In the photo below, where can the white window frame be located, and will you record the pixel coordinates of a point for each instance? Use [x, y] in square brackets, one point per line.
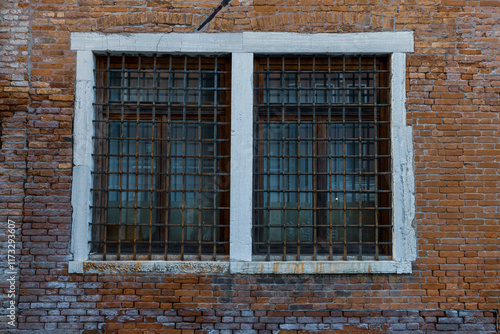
[242, 47]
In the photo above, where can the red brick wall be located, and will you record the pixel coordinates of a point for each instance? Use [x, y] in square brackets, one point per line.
[452, 101]
[14, 108]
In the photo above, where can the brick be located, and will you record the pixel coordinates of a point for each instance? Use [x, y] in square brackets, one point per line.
[446, 327]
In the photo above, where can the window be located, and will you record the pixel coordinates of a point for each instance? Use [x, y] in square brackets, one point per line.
[322, 158]
[242, 153]
[161, 163]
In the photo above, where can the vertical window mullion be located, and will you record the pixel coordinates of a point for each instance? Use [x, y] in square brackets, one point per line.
[242, 140]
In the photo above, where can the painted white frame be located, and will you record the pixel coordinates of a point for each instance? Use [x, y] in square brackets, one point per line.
[242, 47]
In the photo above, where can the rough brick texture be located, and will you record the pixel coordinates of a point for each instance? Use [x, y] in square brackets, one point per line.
[213, 304]
[452, 102]
[14, 107]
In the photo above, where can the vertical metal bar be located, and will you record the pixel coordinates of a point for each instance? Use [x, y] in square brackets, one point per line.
[344, 181]
[104, 124]
[184, 162]
[268, 171]
[314, 159]
[330, 162]
[360, 163]
[200, 165]
[122, 98]
[96, 192]
[168, 163]
[136, 154]
[216, 196]
[96, 205]
[298, 155]
[283, 150]
[375, 144]
[152, 161]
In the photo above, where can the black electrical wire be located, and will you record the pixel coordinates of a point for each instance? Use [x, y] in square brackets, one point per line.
[222, 4]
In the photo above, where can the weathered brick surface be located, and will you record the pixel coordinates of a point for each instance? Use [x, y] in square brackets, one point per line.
[452, 102]
[118, 320]
[14, 107]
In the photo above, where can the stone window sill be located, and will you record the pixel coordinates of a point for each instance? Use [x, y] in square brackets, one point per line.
[240, 267]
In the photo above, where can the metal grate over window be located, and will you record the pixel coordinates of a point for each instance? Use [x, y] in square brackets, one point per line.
[322, 158]
[161, 158]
